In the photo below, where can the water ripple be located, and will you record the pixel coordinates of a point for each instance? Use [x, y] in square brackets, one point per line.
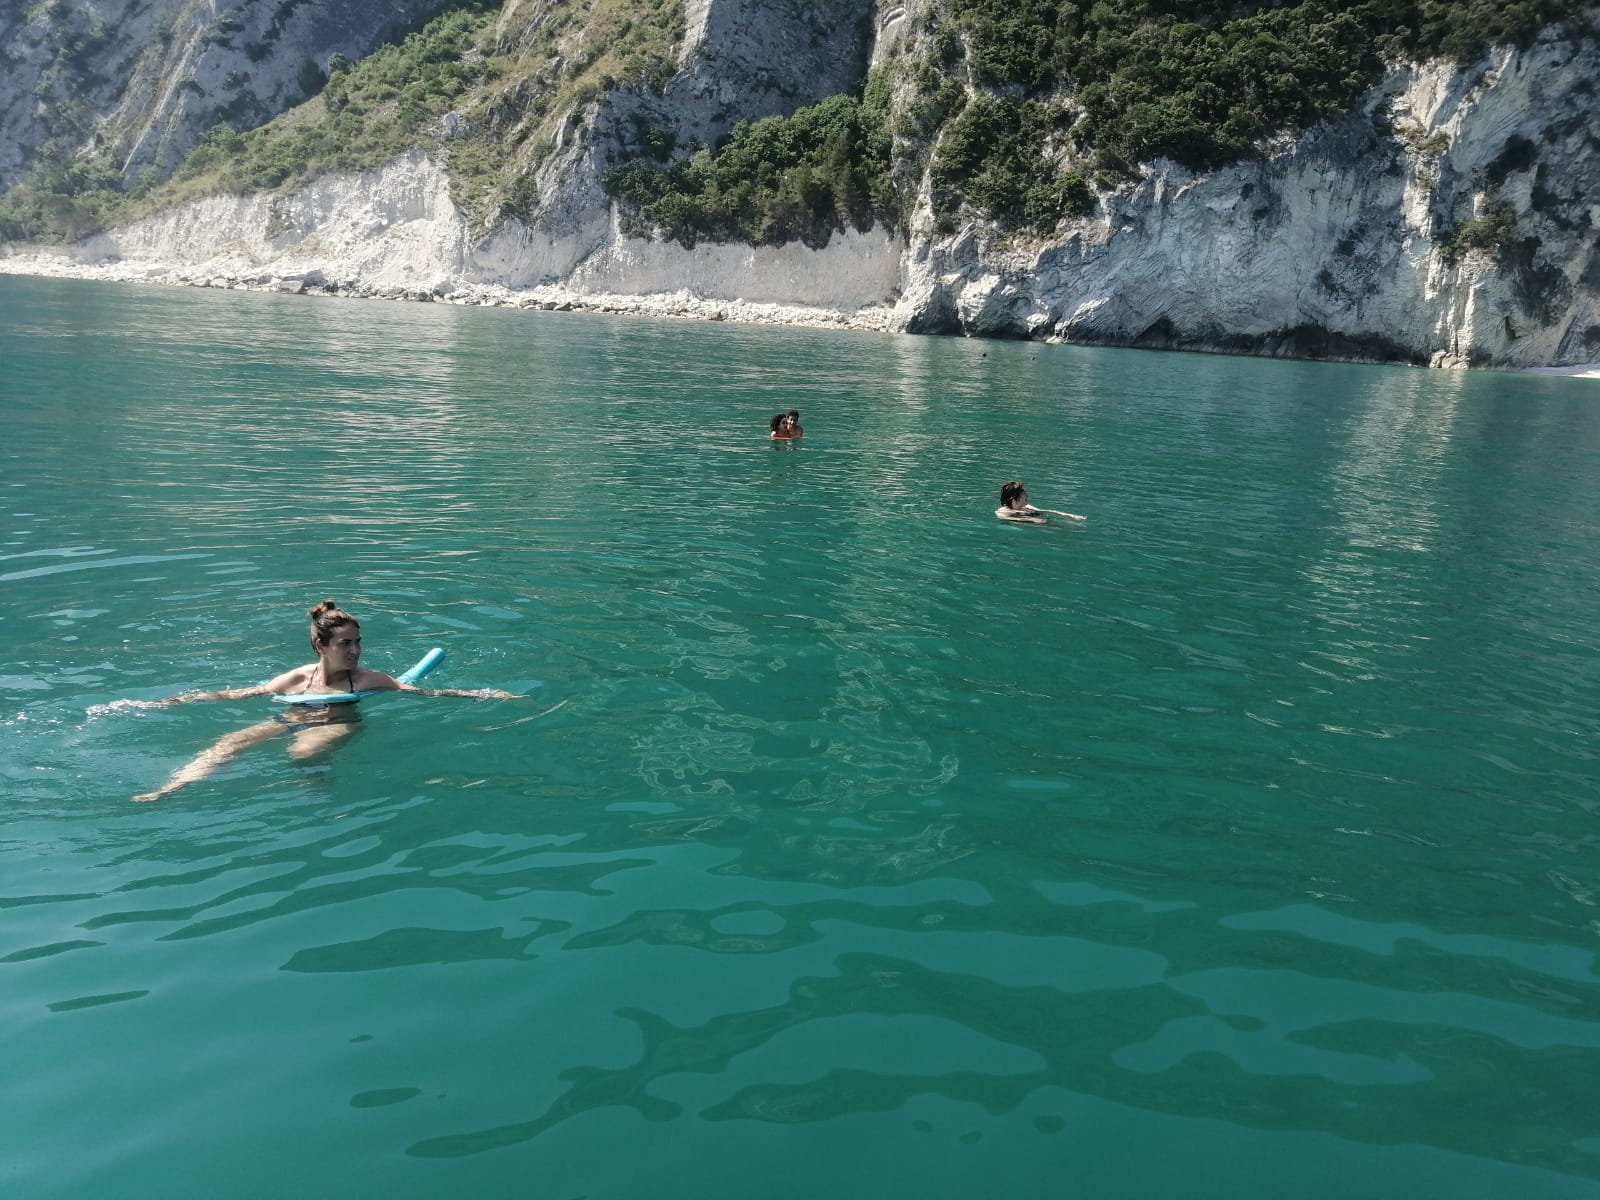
[1248, 822]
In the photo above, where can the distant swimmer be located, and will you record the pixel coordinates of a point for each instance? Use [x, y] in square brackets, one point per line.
[786, 426]
[1014, 506]
[336, 641]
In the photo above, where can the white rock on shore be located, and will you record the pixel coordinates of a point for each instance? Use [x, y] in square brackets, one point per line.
[62, 264]
[681, 304]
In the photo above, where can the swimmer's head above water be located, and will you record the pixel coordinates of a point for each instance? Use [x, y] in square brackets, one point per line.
[335, 637]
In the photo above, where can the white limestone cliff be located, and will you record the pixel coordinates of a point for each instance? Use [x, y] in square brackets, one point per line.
[144, 79]
[1331, 247]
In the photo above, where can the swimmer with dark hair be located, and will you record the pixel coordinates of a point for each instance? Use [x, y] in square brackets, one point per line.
[336, 641]
[1014, 506]
[786, 426]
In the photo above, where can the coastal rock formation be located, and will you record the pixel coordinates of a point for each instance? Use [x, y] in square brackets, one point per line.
[740, 60]
[144, 79]
[395, 231]
[1364, 238]
[1336, 246]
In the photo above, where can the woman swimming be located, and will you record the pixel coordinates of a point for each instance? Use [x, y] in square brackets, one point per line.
[1014, 506]
[336, 641]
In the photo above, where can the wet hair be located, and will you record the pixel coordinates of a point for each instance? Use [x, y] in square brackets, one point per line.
[777, 419]
[1010, 491]
[795, 413]
[325, 618]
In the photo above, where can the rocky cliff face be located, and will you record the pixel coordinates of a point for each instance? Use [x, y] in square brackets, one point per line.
[740, 60]
[1351, 241]
[144, 79]
[1339, 245]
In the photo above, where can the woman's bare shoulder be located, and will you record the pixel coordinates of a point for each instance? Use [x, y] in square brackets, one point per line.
[291, 681]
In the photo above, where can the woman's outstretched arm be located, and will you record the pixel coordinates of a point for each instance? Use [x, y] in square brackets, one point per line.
[289, 681]
[473, 694]
[239, 693]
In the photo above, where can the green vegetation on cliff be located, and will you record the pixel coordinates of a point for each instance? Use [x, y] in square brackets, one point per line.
[66, 198]
[1015, 105]
[478, 91]
[1010, 109]
[778, 179]
[1205, 84]
[368, 113]
[478, 95]
[994, 157]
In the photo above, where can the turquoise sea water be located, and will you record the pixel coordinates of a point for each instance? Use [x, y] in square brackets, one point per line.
[1241, 842]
